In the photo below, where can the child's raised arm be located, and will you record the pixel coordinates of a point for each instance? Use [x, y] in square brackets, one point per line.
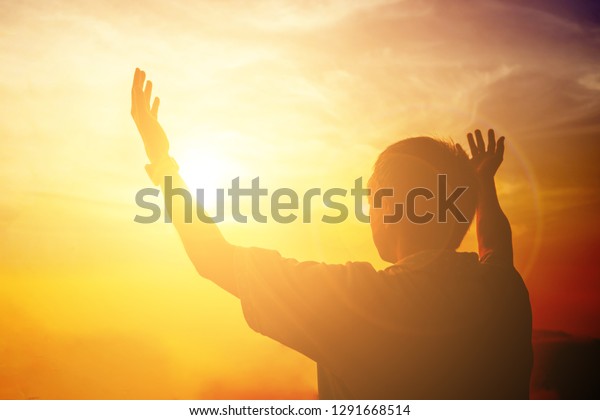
[494, 235]
[208, 250]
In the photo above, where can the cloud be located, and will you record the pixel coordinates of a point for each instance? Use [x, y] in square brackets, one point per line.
[40, 364]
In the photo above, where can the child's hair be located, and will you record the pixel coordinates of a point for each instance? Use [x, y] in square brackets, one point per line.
[416, 162]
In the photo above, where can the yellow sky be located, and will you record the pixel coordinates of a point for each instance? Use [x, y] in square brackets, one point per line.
[302, 94]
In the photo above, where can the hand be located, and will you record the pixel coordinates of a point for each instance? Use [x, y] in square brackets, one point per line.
[145, 118]
[486, 162]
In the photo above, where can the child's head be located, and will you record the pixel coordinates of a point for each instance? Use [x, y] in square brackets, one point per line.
[415, 164]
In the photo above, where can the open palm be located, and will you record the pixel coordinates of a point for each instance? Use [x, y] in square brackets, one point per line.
[146, 118]
[486, 161]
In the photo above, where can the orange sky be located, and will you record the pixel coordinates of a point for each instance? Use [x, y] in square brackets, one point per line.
[302, 94]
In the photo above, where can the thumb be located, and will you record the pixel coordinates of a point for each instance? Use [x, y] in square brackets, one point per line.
[500, 149]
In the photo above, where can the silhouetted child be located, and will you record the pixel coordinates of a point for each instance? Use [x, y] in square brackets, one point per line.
[436, 324]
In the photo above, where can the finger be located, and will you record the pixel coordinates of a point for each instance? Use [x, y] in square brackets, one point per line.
[480, 142]
[133, 107]
[141, 80]
[155, 105]
[135, 88]
[138, 85]
[474, 151]
[135, 77]
[139, 95]
[491, 141]
[133, 85]
[148, 94]
[500, 148]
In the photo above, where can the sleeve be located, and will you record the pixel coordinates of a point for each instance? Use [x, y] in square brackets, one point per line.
[307, 306]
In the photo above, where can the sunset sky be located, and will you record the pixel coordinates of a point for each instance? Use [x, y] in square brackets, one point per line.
[302, 94]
